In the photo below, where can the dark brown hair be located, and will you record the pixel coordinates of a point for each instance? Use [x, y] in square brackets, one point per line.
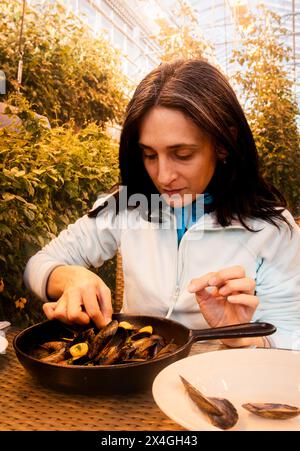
[203, 93]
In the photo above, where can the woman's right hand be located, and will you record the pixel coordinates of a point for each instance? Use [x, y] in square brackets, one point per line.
[81, 296]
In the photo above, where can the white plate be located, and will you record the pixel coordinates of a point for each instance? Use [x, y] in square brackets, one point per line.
[241, 376]
[3, 344]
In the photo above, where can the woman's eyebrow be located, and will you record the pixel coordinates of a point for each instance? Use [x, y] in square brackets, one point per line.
[172, 147]
[144, 146]
[183, 145]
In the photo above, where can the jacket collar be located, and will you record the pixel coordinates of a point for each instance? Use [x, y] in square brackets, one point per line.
[209, 222]
[206, 222]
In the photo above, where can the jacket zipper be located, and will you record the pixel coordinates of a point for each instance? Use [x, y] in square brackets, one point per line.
[176, 292]
[177, 285]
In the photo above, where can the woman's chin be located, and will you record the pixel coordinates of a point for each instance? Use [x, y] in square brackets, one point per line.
[177, 200]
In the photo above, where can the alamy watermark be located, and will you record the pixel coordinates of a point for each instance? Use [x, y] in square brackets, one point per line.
[2, 82]
[137, 212]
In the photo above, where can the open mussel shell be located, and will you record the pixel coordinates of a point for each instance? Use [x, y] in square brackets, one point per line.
[272, 411]
[100, 340]
[143, 332]
[115, 343]
[112, 350]
[219, 411]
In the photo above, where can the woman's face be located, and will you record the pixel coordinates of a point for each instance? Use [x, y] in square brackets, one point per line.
[178, 156]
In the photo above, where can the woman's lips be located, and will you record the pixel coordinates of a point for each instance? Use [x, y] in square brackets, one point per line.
[172, 192]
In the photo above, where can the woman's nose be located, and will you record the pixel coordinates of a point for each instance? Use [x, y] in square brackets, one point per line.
[165, 172]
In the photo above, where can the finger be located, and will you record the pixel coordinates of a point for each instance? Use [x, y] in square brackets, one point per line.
[244, 299]
[244, 285]
[216, 278]
[60, 311]
[92, 301]
[220, 277]
[49, 309]
[105, 302]
[205, 297]
[210, 291]
[75, 314]
[200, 283]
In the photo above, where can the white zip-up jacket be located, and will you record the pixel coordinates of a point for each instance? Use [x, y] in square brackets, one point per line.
[157, 271]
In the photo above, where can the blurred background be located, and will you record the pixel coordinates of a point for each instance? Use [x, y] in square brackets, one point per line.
[135, 27]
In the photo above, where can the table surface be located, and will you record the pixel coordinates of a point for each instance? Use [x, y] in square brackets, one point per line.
[27, 405]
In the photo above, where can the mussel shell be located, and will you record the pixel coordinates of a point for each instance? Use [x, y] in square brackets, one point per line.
[55, 357]
[139, 335]
[113, 349]
[86, 335]
[84, 360]
[112, 344]
[219, 411]
[102, 338]
[39, 352]
[53, 346]
[201, 401]
[229, 415]
[168, 349]
[272, 411]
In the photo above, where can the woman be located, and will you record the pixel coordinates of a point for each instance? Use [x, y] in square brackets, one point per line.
[236, 259]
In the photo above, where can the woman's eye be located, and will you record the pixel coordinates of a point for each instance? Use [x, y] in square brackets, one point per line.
[184, 157]
[150, 156]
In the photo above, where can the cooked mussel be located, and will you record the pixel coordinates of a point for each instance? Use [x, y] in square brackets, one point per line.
[102, 337]
[126, 325]
[56, 356]
[272, 411]
[46, 349]
[53, 346]
[112, 351]
[165, 350]
[144, 332]
[220, 412]
[78, 350]
[114, 343]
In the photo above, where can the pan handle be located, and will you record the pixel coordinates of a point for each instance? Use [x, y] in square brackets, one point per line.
[255, 329]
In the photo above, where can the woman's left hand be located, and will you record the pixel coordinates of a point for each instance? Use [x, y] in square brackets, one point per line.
[225, 297]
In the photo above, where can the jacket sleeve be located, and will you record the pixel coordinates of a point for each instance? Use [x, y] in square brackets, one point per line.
[278, 284]
[88, 242]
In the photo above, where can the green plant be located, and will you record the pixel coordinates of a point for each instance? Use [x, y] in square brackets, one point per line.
[182, 40]
[48, 179]
[67, 72]
[270, 104]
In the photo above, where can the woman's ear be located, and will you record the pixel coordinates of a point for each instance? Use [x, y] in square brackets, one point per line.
[221, 153]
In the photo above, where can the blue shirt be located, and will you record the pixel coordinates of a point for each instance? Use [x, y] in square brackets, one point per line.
[189, 214]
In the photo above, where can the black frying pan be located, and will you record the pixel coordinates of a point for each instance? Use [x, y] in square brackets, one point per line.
[120, 378]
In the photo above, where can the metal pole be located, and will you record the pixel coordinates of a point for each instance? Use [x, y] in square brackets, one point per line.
[20, 65]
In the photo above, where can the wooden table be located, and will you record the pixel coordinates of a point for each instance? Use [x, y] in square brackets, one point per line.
[26, 405]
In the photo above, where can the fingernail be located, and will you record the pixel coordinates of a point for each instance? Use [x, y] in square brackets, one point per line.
[213, 281]
[231, 298]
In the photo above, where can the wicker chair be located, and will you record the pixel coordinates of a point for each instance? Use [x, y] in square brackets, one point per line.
[118, 302]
